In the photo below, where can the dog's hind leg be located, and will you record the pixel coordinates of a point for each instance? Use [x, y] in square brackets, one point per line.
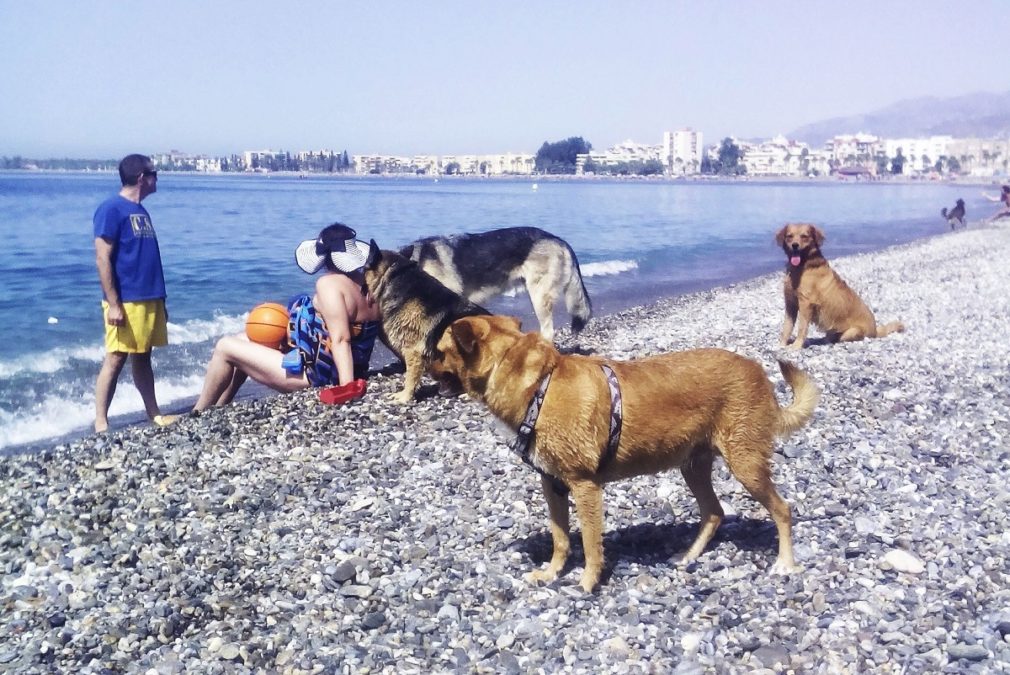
[541, 295]
[749, 465]
[557, 507]
[852, 334]
[697, 472]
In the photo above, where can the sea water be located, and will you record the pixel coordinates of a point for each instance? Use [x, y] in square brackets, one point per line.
[228, 241]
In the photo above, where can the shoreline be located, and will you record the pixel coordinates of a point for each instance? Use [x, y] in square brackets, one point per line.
[972, 181]
[282, 534]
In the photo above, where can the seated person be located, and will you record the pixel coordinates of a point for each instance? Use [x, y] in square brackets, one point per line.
[334, 330]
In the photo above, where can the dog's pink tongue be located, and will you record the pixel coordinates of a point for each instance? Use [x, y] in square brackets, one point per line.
[795, 261]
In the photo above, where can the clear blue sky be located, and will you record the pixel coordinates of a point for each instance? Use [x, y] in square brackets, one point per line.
[101, 79]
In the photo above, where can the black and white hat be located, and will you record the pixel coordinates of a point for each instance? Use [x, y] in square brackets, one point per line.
[339, 244]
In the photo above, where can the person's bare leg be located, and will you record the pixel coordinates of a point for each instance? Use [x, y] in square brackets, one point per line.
[143, 380]
[220, 374]
[237, 380]
[236, 358]
[105, 387]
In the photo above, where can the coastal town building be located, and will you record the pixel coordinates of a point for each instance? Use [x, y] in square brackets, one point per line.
[623, 154]
[682, 152]
[780, 156]
[981, 157]
[517, 164]
[921, 154]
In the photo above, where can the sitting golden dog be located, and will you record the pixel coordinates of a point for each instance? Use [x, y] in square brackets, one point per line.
[816, 294]
[679, 410]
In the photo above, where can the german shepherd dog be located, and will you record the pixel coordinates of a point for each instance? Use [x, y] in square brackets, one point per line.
[416, 308]
[678, 410]
[815, 293]
[481, 266]
[955, 215]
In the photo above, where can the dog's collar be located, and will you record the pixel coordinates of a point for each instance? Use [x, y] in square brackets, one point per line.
[524, 436]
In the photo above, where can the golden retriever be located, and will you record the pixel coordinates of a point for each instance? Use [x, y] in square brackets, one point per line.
[680, 410]
[816, 294]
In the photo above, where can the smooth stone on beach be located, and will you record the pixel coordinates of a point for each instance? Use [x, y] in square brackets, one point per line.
[903, 561]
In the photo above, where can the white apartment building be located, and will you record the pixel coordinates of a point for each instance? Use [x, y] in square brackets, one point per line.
[854, 149]
[982, 157]
[920, 153]
[623, 153]
[682, 151]
[782, 157]
[468, 165]
[261, 157]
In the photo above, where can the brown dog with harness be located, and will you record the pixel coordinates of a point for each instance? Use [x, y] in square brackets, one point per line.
[585, 421]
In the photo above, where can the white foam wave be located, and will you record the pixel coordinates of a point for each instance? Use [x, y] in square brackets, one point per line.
[196, 330]
[606, 268]
[57, 416]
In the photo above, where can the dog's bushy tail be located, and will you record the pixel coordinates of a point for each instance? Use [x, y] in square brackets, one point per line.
[943, 212]
[580, 307]
[888, 328]
[805, 397]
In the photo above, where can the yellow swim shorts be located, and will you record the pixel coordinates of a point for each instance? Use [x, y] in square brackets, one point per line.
[146, 327]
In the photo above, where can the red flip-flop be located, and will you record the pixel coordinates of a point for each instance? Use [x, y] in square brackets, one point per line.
[338, 394]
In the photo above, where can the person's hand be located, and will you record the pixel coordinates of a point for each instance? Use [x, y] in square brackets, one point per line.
[115, 316]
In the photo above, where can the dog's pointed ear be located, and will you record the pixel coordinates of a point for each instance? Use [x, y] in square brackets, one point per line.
[780, 236]
[464, 335]
[818, 235]
[374, 255]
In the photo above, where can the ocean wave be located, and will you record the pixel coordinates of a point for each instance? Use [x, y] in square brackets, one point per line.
[606, 268]
[58, 416]
[198, 330]
[55, 360]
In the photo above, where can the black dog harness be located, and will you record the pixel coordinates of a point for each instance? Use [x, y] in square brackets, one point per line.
[524, 436]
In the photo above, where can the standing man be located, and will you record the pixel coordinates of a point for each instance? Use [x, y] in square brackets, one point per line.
[133, 284]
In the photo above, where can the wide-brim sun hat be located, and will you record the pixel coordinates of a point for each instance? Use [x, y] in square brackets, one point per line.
[347, 255]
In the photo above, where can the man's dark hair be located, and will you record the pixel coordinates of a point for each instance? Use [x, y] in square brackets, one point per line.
[130, 168]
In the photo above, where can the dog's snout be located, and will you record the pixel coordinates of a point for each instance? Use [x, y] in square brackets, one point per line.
[796, 246]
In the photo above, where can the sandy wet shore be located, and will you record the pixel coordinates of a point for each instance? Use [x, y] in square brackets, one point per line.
[284, 535]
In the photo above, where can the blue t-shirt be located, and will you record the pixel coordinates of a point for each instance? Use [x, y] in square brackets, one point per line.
[136, 258]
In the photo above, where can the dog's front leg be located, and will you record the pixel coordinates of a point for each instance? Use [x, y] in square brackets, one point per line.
[802, 326]
[589, 505]
[557, 507]
[415, 366]
[787, 328]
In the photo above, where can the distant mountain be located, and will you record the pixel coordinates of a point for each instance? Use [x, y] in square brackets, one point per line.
[982, 115]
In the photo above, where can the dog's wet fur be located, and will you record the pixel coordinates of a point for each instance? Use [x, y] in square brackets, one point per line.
[680, 410]
[482, 265]
[416, 308]
[815, 294]
[956, 215]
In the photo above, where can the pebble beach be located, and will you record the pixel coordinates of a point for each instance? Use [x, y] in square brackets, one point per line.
[284, 535]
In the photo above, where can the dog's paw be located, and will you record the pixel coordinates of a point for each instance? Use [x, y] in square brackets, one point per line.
[783, 569]
[544, 576]
[402, 397]
[589, 581]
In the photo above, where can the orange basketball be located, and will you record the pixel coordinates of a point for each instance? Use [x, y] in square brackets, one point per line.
[268, 325]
